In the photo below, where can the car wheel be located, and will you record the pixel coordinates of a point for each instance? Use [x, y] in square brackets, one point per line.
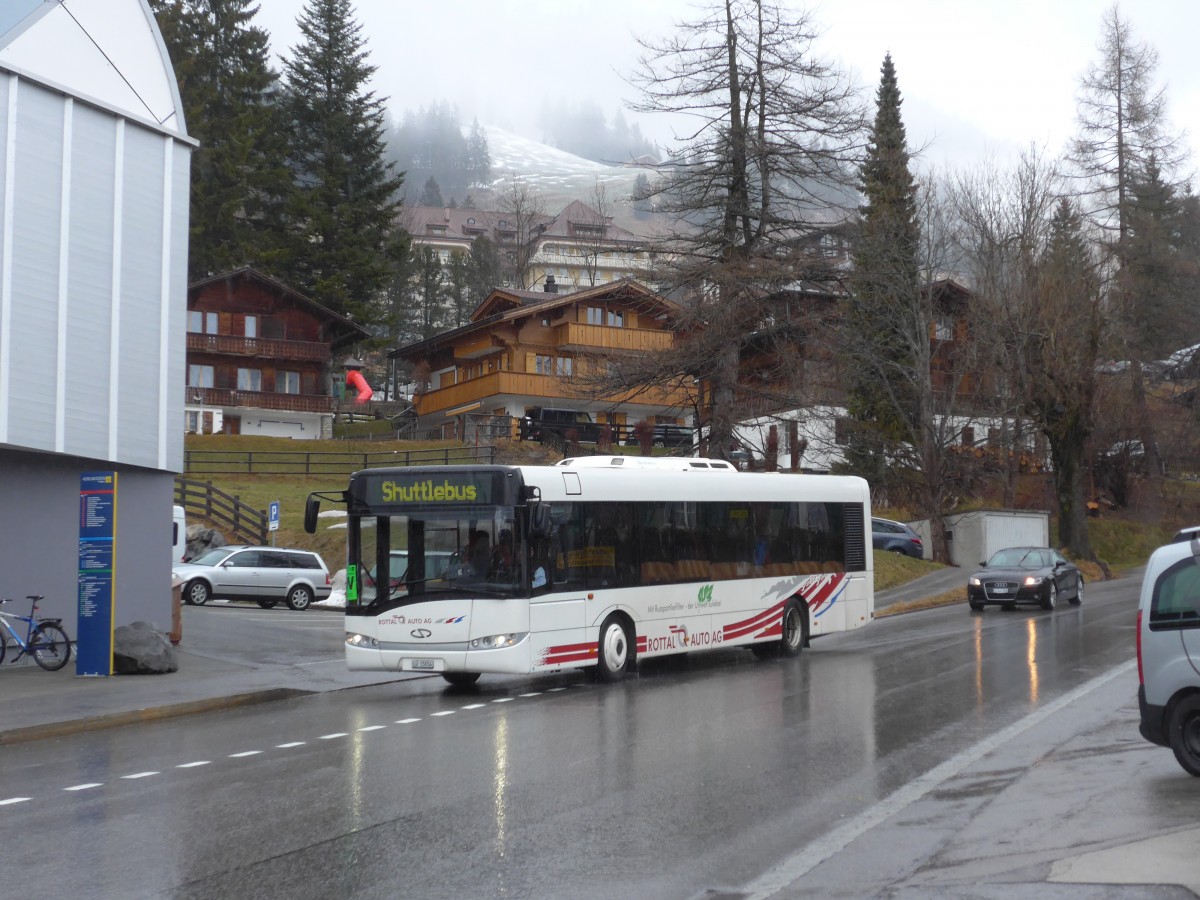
[1078, 598]
[461, 679]
[1183, 733]
[299, 597]
[196, 593]
[899, 551]
[660, 443]
[268, 604]
[615, 650]
[976, 605]
[1051, 599]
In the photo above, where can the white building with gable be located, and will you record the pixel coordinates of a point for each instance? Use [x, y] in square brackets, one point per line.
[94, 185]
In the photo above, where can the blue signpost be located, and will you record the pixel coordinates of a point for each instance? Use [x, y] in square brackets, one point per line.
[273, 519]
[97, 563]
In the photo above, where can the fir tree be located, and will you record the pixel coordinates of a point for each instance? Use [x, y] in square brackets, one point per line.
[346, 198]
[885, 287]
[479, 157]
[483, 269]
[226, 85]
[431, 194]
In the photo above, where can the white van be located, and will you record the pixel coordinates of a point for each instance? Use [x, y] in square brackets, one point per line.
[1168, 651]
[178, 535]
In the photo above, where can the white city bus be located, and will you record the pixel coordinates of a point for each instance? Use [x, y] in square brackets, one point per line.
[596, 562]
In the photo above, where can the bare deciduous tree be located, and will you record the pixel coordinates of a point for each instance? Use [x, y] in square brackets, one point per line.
[1123, 128]
[775, 130]
[523, 215]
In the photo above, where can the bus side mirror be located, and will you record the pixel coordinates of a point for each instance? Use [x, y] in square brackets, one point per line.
[312, 506]
[539, 519]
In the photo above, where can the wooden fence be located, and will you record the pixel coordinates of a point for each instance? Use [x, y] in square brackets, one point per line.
[279, 462]
[200, 498]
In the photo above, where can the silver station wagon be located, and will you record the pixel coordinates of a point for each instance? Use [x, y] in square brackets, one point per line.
[267, 575]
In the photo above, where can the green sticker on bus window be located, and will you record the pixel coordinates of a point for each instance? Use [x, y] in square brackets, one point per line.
[352, 584]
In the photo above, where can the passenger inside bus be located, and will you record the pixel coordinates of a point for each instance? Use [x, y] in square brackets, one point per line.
[502, 557]
[479, 553]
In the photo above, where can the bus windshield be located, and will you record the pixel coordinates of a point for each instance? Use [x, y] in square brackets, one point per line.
[450, 553]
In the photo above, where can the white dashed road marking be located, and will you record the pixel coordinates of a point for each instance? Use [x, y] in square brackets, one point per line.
[11, 801]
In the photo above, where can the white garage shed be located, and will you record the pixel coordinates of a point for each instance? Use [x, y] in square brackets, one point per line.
[976, 535]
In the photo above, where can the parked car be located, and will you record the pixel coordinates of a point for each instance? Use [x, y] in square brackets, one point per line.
[1183, 535]
[666, 435]
[542, 420]
[264, 574]
[896, 537]
[1025, 575]
[1168, 652]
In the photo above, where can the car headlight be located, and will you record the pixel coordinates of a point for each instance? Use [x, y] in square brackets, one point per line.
[361, 640]
[495, 641]
[1034, 580]
[974, 581]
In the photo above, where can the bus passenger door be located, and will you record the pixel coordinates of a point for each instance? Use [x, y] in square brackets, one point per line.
[557, 606]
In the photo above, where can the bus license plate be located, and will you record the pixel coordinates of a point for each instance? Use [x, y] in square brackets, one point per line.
[421, 665]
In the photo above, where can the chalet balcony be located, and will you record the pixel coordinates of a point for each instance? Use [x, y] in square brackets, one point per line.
[489, 389]
[574, 336]
[258, 400]
[262, 348]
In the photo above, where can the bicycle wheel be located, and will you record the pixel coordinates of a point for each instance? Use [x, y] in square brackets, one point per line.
[3, 645]
[50, 646]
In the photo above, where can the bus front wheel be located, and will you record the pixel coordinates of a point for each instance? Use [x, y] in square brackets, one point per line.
[461, 679]
[615, 650]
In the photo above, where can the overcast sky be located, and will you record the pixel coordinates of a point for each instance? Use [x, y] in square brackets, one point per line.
[977, 76]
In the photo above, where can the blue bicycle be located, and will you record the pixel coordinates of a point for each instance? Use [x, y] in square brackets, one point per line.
[45, 640]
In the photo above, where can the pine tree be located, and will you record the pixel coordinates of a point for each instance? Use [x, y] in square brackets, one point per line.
[483, 269]
[221, 63]
[479, 157]
[347, 195]
[431, 194]
[885, 288]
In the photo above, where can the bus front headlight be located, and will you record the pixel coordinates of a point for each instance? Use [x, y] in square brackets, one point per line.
[495, 641]
[361, 640]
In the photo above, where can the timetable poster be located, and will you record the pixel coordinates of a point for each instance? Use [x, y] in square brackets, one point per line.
[97, 563]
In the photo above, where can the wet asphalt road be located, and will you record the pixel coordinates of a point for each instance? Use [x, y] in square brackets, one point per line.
[709, 773]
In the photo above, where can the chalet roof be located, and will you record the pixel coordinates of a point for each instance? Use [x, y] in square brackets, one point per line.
[349, 330]
[577, 217]
[463, 225]
[505, 305]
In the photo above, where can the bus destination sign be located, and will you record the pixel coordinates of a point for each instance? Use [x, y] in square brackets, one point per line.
[450, 488]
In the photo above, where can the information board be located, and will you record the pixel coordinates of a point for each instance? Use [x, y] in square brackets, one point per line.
[97, 565]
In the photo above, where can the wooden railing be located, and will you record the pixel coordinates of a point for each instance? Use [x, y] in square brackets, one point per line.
[550, 387]
[300, 462]
[200, 498]
[260, 400]
[604, 337]
[264, 347]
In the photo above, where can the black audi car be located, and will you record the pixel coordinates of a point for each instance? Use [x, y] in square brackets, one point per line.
[1025, 575]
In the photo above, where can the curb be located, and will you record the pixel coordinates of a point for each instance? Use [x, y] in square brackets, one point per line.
[147, 714]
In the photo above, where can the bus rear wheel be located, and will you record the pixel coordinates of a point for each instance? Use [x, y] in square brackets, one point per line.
[793, 629]
[615, 650]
